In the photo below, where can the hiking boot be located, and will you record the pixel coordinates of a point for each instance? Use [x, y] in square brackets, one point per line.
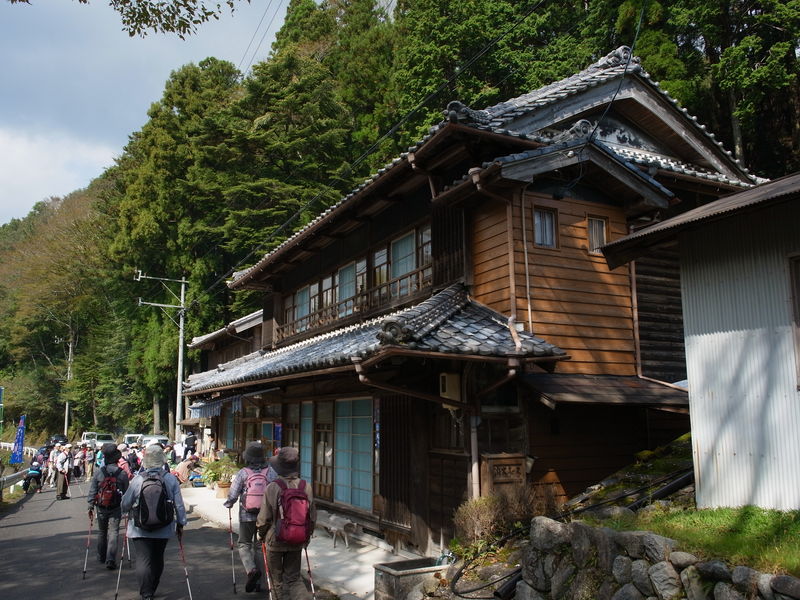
[111, 565]
[252, 580]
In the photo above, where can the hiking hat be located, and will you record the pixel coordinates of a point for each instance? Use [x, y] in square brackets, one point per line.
[286, 462]
[255, 454]
[153, 457]
[110, 453]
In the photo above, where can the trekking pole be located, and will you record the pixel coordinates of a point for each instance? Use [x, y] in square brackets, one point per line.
[88, 541]
[310, 579]
[122, 557]
[266, 571]
[230, 531]
[183, 559]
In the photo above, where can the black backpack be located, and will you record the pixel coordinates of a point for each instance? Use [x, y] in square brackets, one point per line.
[153, 509]
[108, 493]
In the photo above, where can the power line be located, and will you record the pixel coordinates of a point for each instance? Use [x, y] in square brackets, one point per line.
[255, 33]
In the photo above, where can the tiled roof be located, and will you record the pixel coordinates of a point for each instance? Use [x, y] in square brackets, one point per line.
[236, 326]
[448, 322]
[496, 119]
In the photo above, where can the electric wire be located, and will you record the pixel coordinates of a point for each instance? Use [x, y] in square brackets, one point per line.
[255, 33]
[263, 37]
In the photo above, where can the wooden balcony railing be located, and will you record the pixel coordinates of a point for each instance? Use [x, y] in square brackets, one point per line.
[365, 302]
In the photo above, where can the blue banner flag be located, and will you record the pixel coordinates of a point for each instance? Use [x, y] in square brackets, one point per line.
[19, 442]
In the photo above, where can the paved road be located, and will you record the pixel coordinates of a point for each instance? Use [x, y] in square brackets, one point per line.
[43, 545]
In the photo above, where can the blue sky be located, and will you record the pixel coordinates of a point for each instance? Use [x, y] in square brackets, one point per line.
[74, 86]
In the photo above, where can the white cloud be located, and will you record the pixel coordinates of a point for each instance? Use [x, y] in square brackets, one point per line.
[36, 166]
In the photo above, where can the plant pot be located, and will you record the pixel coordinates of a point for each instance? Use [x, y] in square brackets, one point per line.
[222, 488]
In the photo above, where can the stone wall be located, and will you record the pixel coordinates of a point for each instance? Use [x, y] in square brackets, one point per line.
[575, 561]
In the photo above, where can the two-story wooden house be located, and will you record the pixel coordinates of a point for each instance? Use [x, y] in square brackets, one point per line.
[451, 326]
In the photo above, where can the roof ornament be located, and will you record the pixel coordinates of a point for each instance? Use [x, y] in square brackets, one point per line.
[618, 57]
[460, 112]
[418, 321]
[580, 129]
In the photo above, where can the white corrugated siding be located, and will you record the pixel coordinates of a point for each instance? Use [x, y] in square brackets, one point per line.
[745, 406]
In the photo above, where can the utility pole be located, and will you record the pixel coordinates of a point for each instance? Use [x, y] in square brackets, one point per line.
[181, 316]
[69, 377]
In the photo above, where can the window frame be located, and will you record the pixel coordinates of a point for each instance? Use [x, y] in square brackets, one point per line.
[553, 212]
[596, 249]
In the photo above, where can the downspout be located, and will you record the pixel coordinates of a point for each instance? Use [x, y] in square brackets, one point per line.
[525, 250]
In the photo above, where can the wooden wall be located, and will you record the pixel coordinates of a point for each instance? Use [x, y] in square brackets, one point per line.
[580, 445]
[575, 301]
[491, 284]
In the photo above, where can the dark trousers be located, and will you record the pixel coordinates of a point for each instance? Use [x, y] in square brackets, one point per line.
[284, 574]
[188, 451]
[107, 534]
[62, 485]
[149, 563]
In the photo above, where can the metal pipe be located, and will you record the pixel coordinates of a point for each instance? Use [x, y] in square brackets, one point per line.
[474, 421]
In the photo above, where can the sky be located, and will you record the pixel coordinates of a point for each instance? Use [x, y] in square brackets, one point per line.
[74, 86]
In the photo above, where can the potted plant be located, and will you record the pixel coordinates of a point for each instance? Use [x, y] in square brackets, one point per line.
[220, 472]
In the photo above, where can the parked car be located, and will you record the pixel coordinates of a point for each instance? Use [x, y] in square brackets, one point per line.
[104, 438]
[57, 438]
[132, 438]
[89, 438]
[154, 439]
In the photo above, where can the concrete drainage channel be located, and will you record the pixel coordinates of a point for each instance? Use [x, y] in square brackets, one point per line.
[395, 580]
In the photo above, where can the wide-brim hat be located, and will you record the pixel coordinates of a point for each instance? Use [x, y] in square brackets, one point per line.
[110, 453]
[255, 453]
[286, 462]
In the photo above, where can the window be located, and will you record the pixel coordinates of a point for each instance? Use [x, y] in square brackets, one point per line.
[596, 233]
[323, 451]
[794, 272]
[353, 471]
[544, 227]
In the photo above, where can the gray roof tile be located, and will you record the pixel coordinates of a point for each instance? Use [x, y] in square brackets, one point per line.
[447, 322]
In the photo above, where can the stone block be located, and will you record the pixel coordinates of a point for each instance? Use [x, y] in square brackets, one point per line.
[560, 582]
[745, 580]
[693, 585]
[715, 570]
[765, 586]
[547, 535]
[665, 579]
[681, 560]
[657, 547]
[526, 592]
[621, 570]
[725, 591]
[631, 542]
[581, 543]
[628, 592]
[641, 577]
[787, 585]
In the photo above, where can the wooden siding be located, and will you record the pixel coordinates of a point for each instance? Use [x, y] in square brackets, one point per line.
[447, 244]
[490, 272]
[581, 445]
[658, 294]
[576, 302]
[447, 489]
[396, 499]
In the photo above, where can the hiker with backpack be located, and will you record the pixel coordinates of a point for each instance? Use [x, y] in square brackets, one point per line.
[109, 483]
[285, 523]
[248, 487]
[156, 514]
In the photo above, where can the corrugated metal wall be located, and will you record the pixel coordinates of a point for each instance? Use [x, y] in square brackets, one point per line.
[745, 406]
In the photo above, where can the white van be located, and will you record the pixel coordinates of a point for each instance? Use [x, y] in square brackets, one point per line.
[132, 438]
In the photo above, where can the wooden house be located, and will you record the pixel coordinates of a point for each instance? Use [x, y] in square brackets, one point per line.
[451, 326]
[740, 276]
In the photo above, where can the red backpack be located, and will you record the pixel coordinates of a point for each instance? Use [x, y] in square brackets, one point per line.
[254, 487]
[293, 525]
[108, 493]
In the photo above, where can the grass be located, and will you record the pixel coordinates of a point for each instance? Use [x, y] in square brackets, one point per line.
[766, 540]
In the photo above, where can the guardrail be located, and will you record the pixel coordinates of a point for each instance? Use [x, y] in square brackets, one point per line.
[11, 480]
[26, 450]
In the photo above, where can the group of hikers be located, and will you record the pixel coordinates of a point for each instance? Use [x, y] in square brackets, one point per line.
[275, 508]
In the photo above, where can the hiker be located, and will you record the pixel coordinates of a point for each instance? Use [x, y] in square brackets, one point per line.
[284, 558]
[90, 458]
[122, 462]
[34, 474]
[77, 461]
[108, 485]
[62, 472]
[157, 514]
[172, 457]
[248, 486]
[189, 444]
[51, 465]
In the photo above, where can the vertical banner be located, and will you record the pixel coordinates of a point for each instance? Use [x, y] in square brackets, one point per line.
[19, 442]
